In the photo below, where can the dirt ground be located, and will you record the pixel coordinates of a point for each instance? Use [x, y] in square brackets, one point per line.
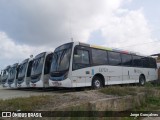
[61, 98]
[13, 93]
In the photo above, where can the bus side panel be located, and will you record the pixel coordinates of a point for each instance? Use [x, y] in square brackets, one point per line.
[136, 73]
[140, 71]
[131, 75]
[114, 75]
[82, 77]
[111, 74]
[103, 70]
[146, 72]
[128, 75]
[153, 74]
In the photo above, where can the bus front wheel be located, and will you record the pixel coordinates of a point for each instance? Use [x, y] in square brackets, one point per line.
[97, 83]
[141, 80]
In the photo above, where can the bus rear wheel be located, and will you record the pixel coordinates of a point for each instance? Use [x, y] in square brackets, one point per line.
[97, 83]
[141, 80]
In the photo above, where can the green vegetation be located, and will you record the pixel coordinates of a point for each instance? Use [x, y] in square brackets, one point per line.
[152, 99]
[152, 103]
[119, 91]
[23, 104]
[130, 90]
[149, 85]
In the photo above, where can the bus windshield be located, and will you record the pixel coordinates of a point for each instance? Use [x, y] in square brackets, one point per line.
[61, 58]
[38, 64]
[12, 73]
[22, 70]
[4, 74]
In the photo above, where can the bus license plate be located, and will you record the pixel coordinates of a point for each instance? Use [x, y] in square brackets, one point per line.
[56, 83]
[33, 85]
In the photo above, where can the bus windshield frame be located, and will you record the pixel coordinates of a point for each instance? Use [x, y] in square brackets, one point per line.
[61, 58]
[4, 74]
[22, 69]
[38, 62]
[12, 72]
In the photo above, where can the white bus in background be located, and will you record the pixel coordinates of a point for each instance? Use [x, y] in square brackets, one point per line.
[40, 70]
[78, 65]
[12, 76]
[4, 76]
[23, 80]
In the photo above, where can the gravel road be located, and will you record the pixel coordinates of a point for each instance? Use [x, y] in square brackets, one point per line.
[13, 93]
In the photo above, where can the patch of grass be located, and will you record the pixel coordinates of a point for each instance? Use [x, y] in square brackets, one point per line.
[152, 85]
[119, 91]
[24, 104]
[153, 101]
[148, 85]
[158, 86]
[151, 104]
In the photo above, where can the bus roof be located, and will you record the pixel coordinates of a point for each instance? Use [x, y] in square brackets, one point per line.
[108, 49]
[42, 53]
[16, 64]
[112, 49]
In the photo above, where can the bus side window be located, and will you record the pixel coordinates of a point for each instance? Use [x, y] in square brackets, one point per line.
[47, 64]
[99, 57]
[114, 58]
[145, 62]
[153, 63]
[137, 61]
[81, 59]
[126, 59]
[29, 69]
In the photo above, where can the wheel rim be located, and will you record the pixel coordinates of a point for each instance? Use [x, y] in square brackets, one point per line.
[97, 83]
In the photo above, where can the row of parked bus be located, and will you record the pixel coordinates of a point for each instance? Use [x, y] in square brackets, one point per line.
[30, 71]
[77, 64]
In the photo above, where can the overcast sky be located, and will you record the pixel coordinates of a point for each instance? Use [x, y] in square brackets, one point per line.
[32, 26]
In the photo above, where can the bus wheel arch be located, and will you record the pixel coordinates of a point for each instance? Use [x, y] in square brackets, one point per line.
[142, 80]
[98, 81]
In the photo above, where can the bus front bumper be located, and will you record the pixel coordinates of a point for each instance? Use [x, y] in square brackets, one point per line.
[13, 85]
[64, 83]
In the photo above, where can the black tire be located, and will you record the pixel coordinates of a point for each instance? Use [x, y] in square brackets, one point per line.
[142, 80]
[97, 83]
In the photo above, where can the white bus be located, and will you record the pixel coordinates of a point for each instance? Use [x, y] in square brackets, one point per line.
[78, 65]
[4, 76]
[23, 80]
[40, 70]
[12, 76]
